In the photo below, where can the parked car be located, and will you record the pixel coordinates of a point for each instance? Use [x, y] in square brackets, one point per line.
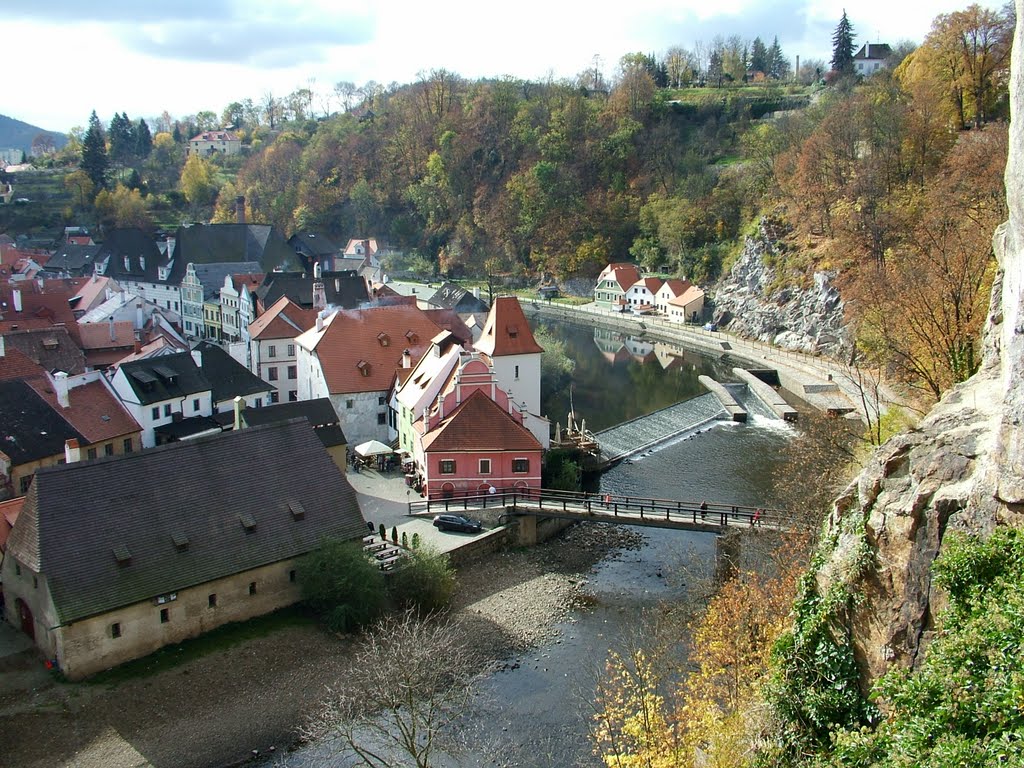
[457, 523]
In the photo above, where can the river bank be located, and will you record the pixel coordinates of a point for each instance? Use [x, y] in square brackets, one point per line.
[218, 709]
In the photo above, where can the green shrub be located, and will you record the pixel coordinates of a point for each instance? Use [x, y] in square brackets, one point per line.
[341, 585]
[426, 581]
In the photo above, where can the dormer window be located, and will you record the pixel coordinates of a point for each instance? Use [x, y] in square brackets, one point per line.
[411, 336]
[122, 555]
[127, 264]
[384, 339]
[142, 263]
[513, 331]
[248, 522]
[364, 367]
[297, 510]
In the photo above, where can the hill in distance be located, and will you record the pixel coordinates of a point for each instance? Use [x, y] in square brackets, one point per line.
[15, 134]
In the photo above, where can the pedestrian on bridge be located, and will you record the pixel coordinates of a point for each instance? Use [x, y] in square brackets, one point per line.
[703, 510]
[756, 519]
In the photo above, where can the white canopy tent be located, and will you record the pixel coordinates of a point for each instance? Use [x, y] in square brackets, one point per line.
[373, 448]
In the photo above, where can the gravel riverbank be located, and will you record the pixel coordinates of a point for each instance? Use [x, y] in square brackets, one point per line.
[218, 709]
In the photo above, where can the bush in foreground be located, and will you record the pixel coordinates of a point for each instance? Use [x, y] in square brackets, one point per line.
[341, 585]
[426, 581]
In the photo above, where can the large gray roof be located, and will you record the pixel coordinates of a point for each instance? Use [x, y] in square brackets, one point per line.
[156, 379]
[180, 515]
[211, 276]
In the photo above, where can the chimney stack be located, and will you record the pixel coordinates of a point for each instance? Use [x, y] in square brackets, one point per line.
[319, 322]
[3, 351]
[197, 356]
[72, 451]
[113, 335]
[60, 386]
[239, 405]
[140, 320]
[240, 209]
[407, 359]
[16, 294]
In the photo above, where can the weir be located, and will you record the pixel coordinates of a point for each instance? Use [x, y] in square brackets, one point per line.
[731, 405]
[767, 395]
[639, 434]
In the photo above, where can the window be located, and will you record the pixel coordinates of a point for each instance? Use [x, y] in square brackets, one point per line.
[115, 629]
[293, 396]
[293, 371]
[272, 351]
[252, 587]
[165, 615]
[291, 350]
[195, 405]
[380, 400]
[520, 466]
[259, 402]
[35, 582]
[272, 374]
[91, 453]
[291, 575]
[167, 409]
[108, 449]
[485, 466]
[349, 404]
[448, 466]
[24, 484]
[156, 412]
[127, 445]
[517, 372]
[382, 418]
[17, 569]
[211, 601]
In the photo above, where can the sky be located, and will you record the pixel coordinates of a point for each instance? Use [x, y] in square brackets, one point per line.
[145, 57]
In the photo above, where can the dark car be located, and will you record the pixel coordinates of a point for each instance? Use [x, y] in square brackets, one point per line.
[457, 523]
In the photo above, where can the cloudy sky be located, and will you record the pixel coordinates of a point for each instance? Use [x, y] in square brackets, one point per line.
[64, 58]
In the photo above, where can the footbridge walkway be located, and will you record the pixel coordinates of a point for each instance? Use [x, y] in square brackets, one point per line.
[609, 508]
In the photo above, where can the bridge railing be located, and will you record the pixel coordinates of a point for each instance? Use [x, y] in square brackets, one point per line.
[573, 503]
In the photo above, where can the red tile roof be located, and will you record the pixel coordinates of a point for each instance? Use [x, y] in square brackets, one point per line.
[480, 424]
[506, 331]
[676, 286]
[215, 136]
[9, 511]
[103, 336]
[623, 273]
[249, 280]
[652, 284]
[360, 349]
[93, 410]
[283, 320]
[15, 364]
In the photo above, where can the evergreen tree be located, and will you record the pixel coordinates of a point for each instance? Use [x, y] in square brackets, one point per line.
[143, 140]
[94, 153]
[759, 57]
[122, 140]
[778, 65]
[842, 46]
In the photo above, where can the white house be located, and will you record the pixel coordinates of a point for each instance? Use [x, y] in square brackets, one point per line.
[870, 58]
[641, 294]
[680, 300]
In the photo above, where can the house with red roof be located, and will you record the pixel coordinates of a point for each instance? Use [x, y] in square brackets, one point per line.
[272, 347]
[214, 142]
[681, 301]
[508, 344]
[472, 442]
[640, 297]
[613, 283]
[351, 357]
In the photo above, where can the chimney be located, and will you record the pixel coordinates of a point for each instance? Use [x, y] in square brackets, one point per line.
[139, 319]
[197, 355]
[3, 351]
[239, 406]
[113, 335]
[72, 451]
[407, 359]
[60, 386]
[240, 209]
[319, 322]
[16, 293]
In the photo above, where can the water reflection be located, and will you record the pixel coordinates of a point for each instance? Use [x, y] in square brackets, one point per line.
[619, 377]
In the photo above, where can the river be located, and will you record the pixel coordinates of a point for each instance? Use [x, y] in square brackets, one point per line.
[535, 714]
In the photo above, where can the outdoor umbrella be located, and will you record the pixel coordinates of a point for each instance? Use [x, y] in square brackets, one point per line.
[373, 448]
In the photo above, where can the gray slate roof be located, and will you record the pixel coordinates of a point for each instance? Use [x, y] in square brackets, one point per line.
[213, 243]
[73, 259]
[227, 377]
[318, 412]
[212, 275]
[342, 289]
[76, 516]
[30, 429]
[156, 379]
[144, 258]
[451, 296]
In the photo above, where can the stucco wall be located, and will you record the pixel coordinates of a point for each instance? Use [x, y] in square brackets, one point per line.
[86, 647]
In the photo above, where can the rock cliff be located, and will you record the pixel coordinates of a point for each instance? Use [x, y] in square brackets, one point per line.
[962, 468]
[750, 302]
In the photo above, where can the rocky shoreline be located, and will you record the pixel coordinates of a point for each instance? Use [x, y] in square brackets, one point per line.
[227, 706]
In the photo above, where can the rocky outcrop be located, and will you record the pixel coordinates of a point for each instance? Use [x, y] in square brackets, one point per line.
[750, 302]
[962, 468]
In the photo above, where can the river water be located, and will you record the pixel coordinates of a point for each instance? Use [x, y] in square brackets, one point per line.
[536, 713]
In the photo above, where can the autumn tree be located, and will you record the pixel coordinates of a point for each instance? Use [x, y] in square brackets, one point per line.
[197, 181]
[163, 167]
[122, 208]
[842, 46]
[634, 88]
[81, 189]
[94, 160]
